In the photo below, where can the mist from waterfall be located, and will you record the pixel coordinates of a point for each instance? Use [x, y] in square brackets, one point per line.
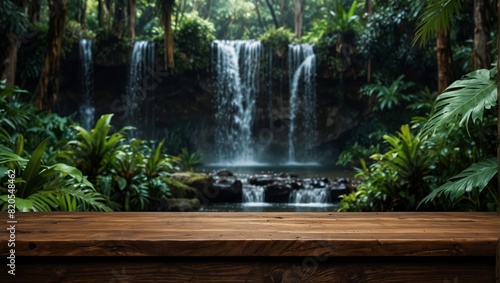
[237, 82]
[302, 133]
[86, 110]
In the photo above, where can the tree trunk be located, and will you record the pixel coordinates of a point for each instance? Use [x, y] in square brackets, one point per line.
[34, 11]
[100, 13]
[83, 15]
[261, 24]
[47, 91]
[9, 58]
[208, 9]
[131, 18]
[275, 20]
[119, 18]
[166, 20]
[480, 53]
[9, 42]
[299, 15]
[444, 60]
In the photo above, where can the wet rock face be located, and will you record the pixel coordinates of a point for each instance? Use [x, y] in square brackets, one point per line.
[225, 190]
[277, 192]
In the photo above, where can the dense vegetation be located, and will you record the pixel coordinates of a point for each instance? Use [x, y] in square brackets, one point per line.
[437, 155]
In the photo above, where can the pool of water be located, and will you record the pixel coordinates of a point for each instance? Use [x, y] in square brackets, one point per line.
[270, 207]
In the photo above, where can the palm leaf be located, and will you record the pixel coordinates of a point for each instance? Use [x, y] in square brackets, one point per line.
[31, 172]
[70, 198]
[437, 16]
[465, 99]
[476, 176]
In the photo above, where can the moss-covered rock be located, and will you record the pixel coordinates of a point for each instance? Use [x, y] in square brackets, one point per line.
[199, 181]
[183, 204]
[180, 190]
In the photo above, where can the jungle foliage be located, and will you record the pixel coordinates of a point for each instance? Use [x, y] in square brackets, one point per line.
[441, 159]
[56, 165]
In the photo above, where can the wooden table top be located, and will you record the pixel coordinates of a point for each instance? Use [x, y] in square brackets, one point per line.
[254, 234]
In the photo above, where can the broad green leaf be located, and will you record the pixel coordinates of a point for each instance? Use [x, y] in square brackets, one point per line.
[24, 205]
[33, 169]
[463, 101]
[477, 176]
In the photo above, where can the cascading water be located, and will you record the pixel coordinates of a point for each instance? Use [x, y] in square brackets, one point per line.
[311, 196]
[237, 70]
[302, 75]
[87, 109]
[140, 98]
[253, 194]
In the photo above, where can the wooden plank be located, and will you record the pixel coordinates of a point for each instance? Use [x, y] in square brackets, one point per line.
[254, 269]
[498, 262]
[255, 234]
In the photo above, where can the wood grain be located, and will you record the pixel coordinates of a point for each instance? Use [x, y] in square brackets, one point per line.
[254, 247]
[255, 269]
[255, 234]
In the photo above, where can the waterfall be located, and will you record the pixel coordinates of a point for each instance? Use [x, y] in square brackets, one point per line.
[237, 71]
[253, 194]
[318, 196]
[87, 109]
[140, 101]
[302, 75]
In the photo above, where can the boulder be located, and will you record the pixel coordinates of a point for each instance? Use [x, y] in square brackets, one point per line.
[338, 189]
[199, 181]
[224, 190]
[277, 193]
[183, 204]
[224, 173]
[261, 180]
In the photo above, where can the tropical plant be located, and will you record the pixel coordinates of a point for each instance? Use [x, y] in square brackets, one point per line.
[137, 177]
[465, 101]
[388, 97]
[93, 150]
[391, 27]
[187, 160]
[15, 115]
[192, 38]
[39, 187]
[372, 193]
[343, 20]
[277, 40]
[398, 179]
[126, 169]
[350, 157]
[463, 104]
[158, 167]
[469, 185]
[438, 15]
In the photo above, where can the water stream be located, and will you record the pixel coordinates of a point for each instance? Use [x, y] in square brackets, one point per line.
[237, 71]
[87, 110]
[302, 133]
[140, 96]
